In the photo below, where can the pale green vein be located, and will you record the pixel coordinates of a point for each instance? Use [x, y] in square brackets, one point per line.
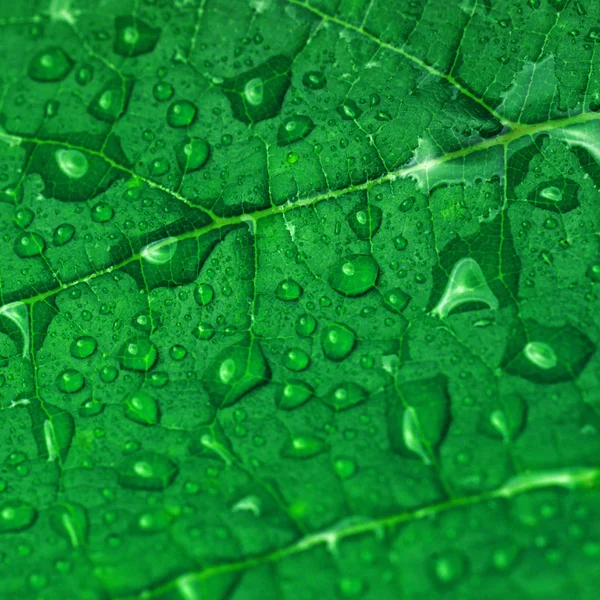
[568, 478]
[414, 59]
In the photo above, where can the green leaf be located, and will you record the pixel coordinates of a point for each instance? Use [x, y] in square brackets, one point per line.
[299, 299]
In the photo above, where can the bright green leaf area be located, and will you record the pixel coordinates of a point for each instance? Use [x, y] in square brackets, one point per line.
[299, 300]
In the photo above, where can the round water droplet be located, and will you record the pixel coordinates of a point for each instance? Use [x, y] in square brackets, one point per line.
[138, 354]
[288, 290]
[177, 352]
[337, 341]
[52, 64]
[63, 234]
[204, 331]
[90, 408]
[84, 75]
[159, 166]
[23, 217]
[593, 273]
[294, 394]
[83, 347]
[69, 381]
[305, 325]
[344, 467]
[181, 113]
[449, 567]
[254, 91]
[162, 91]
[108, 373]
[346, 395]
[102, 212]
[29, 244]
[203, 294]
[141, 408]
[314, 80]
[400, 243]
[16, 515]
[551, 193]
[354, 275]
[541, 354]
[192, 154]
[296, 359]
[73, 163]
[293, 129]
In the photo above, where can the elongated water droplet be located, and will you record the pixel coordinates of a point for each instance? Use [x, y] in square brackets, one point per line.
[160, 252]
[466, 284]
[18, 314]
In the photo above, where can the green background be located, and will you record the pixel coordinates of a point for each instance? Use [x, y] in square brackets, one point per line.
[299, 301]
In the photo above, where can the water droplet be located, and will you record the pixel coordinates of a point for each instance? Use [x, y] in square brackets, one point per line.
[177, 352]
[63, 234]
[147, 471]
[288, 290]
[365, 221]
[138, 354]
[506, 419]
[296, 359]
[162, 91]
[293, 129]
[349, 110]
[29, 244]
[304, 446]
[72, 163]
[354, 275]
[396, 300]
[23, 217]
[314, 80]
[84, 75]
[203, 294]
[160, 252]
[108, 374]
[593, 273]
[134, 37]
[337, 341]
[83, 347]
[400, 243]
[192, 154]
[204, 331]
[70, 381]
[16, 515]
[467, 284]
[52, 64]
[295, 393]
[111, 102]
[258, 93]
[234, 372]
[344, 467]
[102, 212]
[547, 354]
[141, 408]
[181, 113]
[70, 522]
[346, 395]
[305, 325]
[558, 195]
[160, 166]
[418, 419]
[449, 567]
[90, 408]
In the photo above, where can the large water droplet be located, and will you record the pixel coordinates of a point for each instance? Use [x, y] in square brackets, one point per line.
[467, 284]
[365, 221]
[304, 446]
[147, 471]
[83, 347]
[293, 129]
[72, 163]
[141, 408]
[29, 244]
[160, 252]
[192, 154]
[337, 341]
[16, 515]
[181, 113]
[234, 372]
[354, 275]
[52, 64]
[134, 37]
[346, 395]
[138, 354]
[295, 393]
